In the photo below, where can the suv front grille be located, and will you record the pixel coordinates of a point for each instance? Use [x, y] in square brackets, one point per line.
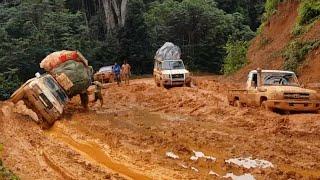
[296, 96]
[177, 76]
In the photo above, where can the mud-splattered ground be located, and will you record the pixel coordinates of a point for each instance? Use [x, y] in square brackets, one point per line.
[130, 135]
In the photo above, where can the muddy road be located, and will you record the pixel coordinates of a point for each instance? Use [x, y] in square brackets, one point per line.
[145, 132]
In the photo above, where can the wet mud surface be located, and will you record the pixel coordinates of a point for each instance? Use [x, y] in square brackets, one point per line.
[129, 137]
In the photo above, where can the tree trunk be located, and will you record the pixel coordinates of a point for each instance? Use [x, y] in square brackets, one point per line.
[115, 13]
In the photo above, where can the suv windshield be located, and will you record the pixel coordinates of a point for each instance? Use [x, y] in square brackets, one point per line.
[280, 79]
[169, 65]
[57, 92]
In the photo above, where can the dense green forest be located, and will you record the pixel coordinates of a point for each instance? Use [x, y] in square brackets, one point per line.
[106, 31]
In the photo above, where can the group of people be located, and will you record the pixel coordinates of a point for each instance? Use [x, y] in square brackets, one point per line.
[122, 72]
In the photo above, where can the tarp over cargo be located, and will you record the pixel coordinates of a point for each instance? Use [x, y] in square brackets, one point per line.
[168, 51]
[76, 73]
[54, 59]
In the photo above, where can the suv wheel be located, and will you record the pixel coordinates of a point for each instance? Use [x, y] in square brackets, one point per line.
[237, 103]
[265, 106]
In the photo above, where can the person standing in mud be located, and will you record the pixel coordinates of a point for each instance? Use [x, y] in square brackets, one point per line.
[117, 71]
[98, 92]
[126, 71]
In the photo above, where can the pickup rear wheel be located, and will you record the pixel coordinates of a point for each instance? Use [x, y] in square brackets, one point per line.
[265, 106]
[238, 104]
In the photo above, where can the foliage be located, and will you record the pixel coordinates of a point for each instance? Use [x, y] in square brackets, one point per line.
[309, 12]
[9, 82]
[198, 27]
[250, 9]
[237, 56]
[31, 29]
[270, 7]
[295, 53]
[133, 37]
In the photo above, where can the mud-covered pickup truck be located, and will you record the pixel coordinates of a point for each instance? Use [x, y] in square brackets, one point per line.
[275, 90]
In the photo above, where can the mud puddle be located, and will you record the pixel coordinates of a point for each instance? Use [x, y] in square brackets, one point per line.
[93, 151]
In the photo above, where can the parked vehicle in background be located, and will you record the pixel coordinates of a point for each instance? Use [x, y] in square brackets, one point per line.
[169, 69]
[275, 90]
[105, 75]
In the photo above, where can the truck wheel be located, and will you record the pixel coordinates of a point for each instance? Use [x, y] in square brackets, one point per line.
[188, 84]
[237, 103]
[161, 84]
[156, 82]
[264, 106]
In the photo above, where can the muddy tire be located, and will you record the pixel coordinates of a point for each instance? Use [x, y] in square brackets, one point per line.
[237, 103]
[161, 84]
[264, 106]
[188, 84]
[156, 82]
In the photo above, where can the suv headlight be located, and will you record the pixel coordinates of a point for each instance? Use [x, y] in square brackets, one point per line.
[166, 76]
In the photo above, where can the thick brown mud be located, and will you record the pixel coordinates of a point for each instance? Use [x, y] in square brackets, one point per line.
[93, 151]
[130, 136]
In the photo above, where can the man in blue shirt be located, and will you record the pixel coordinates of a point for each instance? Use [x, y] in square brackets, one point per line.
[117, 71]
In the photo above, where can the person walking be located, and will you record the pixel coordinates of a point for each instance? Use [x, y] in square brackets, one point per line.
[98, 92]
[126, 71]
[117, 71]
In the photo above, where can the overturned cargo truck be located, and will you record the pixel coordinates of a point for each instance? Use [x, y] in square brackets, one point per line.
[68, 74]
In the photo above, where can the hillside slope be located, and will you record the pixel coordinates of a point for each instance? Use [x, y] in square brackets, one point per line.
[266, 50]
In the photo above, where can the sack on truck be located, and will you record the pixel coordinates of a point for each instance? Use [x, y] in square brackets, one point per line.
[55, 59]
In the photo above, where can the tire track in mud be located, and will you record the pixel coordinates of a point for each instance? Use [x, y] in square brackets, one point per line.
[63, 172]
[93, 152]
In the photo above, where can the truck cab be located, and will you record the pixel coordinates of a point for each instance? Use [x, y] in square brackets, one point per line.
[275, 90]
[171, 73]
[43, 95]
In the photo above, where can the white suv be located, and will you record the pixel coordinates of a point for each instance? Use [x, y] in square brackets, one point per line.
[171, 73]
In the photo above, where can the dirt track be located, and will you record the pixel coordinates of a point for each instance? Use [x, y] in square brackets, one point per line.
[129, 137]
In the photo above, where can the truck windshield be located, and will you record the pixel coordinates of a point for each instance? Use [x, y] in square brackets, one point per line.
[55, 89]
[280, 79]
[170, 65]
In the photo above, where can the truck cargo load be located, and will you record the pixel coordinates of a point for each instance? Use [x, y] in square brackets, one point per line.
[73, 76]
[54, 59]
[168, 51]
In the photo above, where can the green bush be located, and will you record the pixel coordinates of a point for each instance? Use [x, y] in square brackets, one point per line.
[236, 56]
[9, 82]
[309, 11]
[295, 53]
[270, 8]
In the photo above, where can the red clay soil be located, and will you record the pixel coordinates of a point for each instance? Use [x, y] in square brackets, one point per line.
[129, 136]
[309, 71]
[265, 49]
